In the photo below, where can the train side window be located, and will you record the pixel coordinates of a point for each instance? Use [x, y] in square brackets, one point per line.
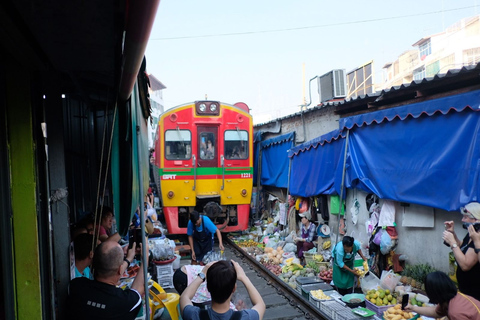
[207, 146]
[178, 144]
[236, 144]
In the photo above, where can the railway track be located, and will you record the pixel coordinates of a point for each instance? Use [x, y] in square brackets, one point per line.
[282, 301]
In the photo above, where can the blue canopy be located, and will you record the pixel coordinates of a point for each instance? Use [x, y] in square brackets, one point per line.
[275, 160]
[426, 153]
[314, 163]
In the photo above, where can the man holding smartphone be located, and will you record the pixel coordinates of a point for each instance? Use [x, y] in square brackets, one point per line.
[100, 298]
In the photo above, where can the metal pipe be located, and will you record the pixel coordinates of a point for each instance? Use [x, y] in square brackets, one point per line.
[140, 18]
[194, 160]
[342, 184]
[222, 161]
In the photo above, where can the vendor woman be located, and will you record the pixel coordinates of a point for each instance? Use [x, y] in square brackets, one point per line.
[307, 236]
[343, 259]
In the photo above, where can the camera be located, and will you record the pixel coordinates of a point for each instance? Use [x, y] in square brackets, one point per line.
[476, 226]
[134, 235]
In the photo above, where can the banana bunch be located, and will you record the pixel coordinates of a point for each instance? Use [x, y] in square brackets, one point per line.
[360, 273]
[365, 266]
[396, 313]
[320, 295]
[289, 261]
[292, 267]
[327, 244]
[318, 257]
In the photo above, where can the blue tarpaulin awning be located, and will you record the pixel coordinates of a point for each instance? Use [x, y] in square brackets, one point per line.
[426, 153]
[275, 161]
[314, 164]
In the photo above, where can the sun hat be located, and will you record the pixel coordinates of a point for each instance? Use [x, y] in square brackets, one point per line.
[473, 208]
[305, 214]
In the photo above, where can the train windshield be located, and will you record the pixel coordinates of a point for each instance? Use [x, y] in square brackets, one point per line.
[178, 144]
[236, 144]
[207, 145]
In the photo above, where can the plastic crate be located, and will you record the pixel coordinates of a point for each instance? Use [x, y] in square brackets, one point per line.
[303, 281]
[165, 282]
[165, 270]
[346, 315]
[316, 302]
[330, 308]
[307, 288]
[377, 309]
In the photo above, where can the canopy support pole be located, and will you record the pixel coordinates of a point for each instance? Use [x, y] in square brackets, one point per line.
[340, 203]
[142, 222]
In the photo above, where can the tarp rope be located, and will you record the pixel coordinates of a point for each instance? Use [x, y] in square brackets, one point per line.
[97, 214]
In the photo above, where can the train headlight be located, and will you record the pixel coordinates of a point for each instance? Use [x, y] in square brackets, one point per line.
[207, 108]
[170, 194]
[244, 192]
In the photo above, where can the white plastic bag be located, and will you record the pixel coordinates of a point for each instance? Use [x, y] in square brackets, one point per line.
[389, 280]
[386, 243]
[369, 282]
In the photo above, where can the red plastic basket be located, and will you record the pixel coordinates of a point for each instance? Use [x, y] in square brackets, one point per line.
[160, 262]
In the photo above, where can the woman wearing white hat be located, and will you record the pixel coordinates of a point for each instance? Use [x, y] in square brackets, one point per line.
[468, 269]
[307, 236]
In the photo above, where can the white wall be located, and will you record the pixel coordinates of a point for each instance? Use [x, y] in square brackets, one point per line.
[421, 245]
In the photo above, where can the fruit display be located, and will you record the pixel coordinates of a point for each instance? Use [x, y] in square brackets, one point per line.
[326, 245]
[291, 272]
[318, 257]
[274, 268]
[381, 297]
[360, 272]
[396, 313]
[319, 294]
[274, 255]
[414, 275]
[326, 274]
[247, 243]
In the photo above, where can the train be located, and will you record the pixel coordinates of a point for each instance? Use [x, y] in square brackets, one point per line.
[204, 158]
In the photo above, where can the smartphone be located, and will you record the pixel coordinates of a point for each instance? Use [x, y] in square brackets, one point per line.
[404, 301]
[134, 235]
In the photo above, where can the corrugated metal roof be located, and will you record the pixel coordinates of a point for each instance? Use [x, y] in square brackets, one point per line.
[417, 85]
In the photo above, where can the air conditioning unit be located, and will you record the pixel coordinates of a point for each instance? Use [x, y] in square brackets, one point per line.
[332, 85]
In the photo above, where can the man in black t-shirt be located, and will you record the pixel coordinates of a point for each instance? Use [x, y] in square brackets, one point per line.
[100, 298]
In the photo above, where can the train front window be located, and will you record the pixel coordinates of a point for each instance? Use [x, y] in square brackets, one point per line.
[178, 144]
[236, 144]
[207, 145]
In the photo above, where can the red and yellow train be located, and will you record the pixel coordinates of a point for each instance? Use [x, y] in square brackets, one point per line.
[204, 154]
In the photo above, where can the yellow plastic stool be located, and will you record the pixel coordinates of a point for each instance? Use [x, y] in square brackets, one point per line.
[158, 300]
[171, 303]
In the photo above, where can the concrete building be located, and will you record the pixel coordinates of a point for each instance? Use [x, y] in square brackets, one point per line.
[156, 101]
[457, 46]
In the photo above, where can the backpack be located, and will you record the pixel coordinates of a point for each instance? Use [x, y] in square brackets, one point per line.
[237, 315]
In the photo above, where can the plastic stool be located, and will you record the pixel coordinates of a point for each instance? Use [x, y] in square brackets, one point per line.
[171, 303]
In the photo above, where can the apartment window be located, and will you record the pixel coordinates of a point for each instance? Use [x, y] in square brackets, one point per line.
[425, 49]
[447, 63]
[432, 69]
[471, 56]
[419, 74]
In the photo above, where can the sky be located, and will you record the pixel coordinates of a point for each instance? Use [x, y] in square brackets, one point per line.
[264, 52]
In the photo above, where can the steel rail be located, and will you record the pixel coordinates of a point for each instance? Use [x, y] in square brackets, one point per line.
[310, 310]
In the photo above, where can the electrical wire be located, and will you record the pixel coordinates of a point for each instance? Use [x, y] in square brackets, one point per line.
[311, 27]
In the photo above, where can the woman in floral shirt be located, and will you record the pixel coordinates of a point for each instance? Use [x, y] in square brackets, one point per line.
[307, 236]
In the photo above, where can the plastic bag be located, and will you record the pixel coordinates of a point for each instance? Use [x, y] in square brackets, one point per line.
[161, 248]
[385, 243]
[369, 282]
[290, 247]
[389, 280]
